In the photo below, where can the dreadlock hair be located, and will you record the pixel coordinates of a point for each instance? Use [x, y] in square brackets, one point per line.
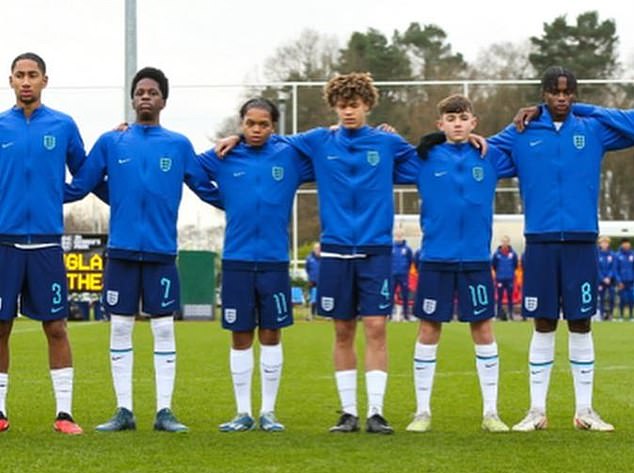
[262, 103]
[350, 86]
[154, 74]
[551, 77]
[41, 65]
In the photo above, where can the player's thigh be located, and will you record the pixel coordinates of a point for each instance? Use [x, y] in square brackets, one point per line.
[475, 295]
[336, 297]
[579, 280]
[238, 296]
[541, 291]
[274, 305]
[45, 294]
[122, 286]
[160, 287]
[435, 295]
[12, 271]
[373, 284]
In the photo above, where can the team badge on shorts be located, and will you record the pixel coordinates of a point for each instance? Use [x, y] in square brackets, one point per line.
[478, 173]
[579, 141]
[165, 163]
[373, 158]
[49, 142]
[230, 315]
[429, 306]
[277, 172]
[530, 303]
[112, 297]
[327, 303]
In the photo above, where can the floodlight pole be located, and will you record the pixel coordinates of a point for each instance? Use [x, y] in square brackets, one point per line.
[130, 57]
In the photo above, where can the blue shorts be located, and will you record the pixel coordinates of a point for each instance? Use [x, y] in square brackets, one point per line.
[560, 277]
[438, 288]
[349, 287]
[128, 282]
[38, 278]
[252, 298]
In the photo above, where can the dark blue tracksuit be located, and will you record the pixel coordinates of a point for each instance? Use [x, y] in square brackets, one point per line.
[401, 261]
[504, 263]
[607, 261]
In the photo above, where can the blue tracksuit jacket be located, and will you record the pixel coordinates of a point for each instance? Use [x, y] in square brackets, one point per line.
[624, 266]
[607, 261]
[257, 186]
[504, 264]
[401, 257]
[145, 168]
[355, 171]
[457, 188]
[559, 173]
[312, 267]
[34, 154]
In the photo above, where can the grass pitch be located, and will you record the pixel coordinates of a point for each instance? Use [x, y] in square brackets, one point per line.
[307, 405]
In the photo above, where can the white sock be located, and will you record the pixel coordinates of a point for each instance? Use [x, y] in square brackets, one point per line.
[4, 386]
[488, 367]
[241, 363]
[122, 358]
[63, 386]
[347, 388]
[424, 370]
[581, 353]
[375, 382]
[271, 360]
[540, 363]
[164, 360]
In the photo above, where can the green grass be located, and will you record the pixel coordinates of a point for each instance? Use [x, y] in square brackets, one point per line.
[308, 403]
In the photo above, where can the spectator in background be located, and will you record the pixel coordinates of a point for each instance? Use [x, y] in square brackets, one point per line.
[607, 263]
[504, 263]
[402, 258]
[312, 272]
[625, 277]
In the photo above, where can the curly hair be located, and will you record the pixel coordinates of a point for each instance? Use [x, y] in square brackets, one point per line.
[351, 86]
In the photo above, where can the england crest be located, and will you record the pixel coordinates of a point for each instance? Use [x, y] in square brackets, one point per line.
[530, 303]
[478, 173]
[579, 141]
[230, 315]
[429, 306]
[49, 142]
[165, 163]
[112, 297]
[373, 158]
[327, 303]
[277, 172]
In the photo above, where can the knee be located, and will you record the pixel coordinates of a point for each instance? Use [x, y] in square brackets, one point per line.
[55, 330]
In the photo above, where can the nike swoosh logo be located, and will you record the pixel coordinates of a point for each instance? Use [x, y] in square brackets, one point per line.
[123, 161]
[239, 173]
[282, 319]
[116, 358]
[384, 306]
[55, 310]
[165, 304]
[170, 360]
[330, 158]
[586, 309]
[479, 311]
[534, 143]
[7, 145]
[489, 365]
[439, 174]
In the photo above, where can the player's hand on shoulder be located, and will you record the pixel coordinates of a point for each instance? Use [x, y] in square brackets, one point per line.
[479, 142]
[524, 116]
[122, 127]
[386, 127]
[225, 145]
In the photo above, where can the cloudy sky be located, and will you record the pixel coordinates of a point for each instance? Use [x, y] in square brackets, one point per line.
[215, 43]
